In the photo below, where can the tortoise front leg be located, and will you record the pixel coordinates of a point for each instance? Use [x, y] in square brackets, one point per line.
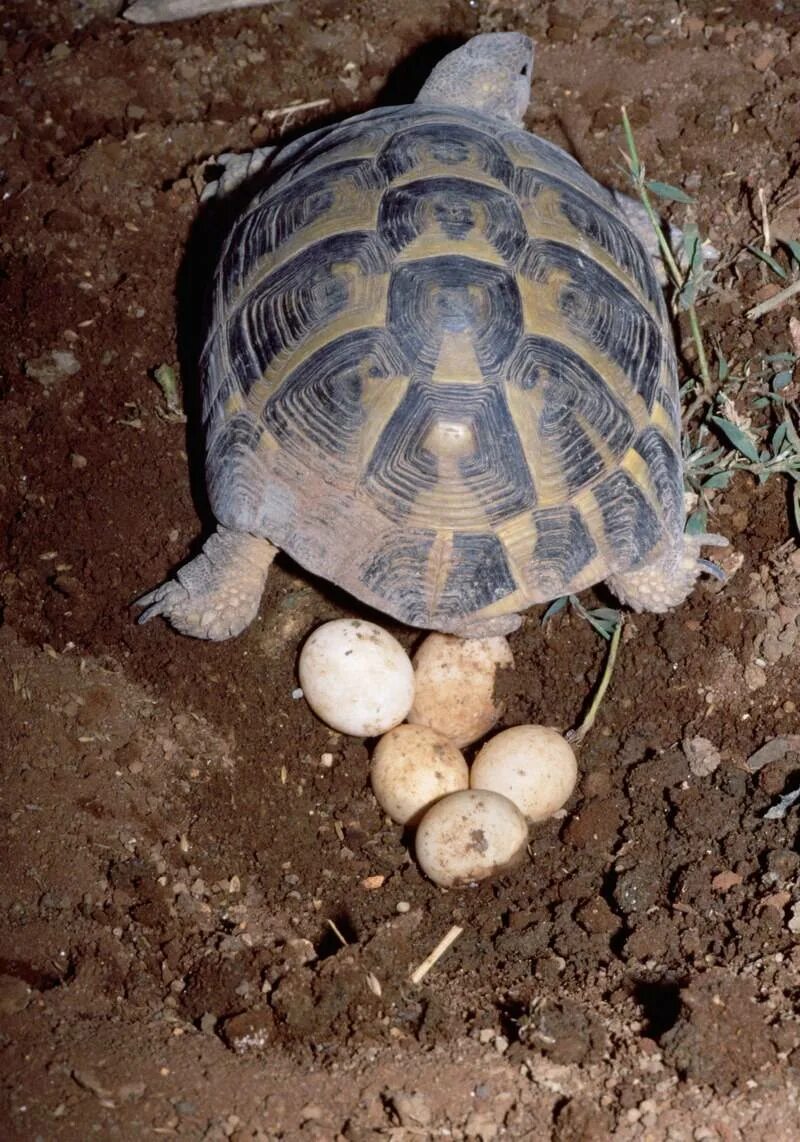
[639, 221]
[217, 594]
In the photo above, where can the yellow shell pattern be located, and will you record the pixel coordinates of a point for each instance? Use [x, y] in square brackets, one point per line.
[440, 373]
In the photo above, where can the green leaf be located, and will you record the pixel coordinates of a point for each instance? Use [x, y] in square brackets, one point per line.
[776, 267]
[665, 190]
[606, 615]
[633, 157]
[697, 522]
[692, 246]
[778, 438]
[718, 480]
[782, 380]
[762, 402]
[791, 434]
[556, 606]
[793, 247]
[739, 439]
[601, 627]
[723, 367]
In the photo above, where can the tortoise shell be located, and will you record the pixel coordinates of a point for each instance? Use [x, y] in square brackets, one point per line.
[439, 371]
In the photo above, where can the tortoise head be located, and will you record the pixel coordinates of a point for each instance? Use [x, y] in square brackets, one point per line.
[490, 73]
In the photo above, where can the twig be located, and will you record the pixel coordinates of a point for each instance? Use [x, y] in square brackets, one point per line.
[419, 973]
[337, 933]
[575, 737]
[293, 108]
[775, 301]
[762, 198]
[166, 11]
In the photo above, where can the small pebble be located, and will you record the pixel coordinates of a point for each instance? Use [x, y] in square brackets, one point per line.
[764, 59]
[402, 906]
[702, 755]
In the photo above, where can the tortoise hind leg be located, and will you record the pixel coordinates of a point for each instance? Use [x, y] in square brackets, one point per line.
[665, 582]
[217, 594]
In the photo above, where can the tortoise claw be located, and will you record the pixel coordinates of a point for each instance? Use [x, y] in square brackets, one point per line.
[217, 594]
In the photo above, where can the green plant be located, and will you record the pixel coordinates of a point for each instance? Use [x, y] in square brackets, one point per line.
[689, 278]
[764, 450]
[603, 619]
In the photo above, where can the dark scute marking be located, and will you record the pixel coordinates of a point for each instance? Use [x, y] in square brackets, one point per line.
[562, 550]
[321, 149]
[449, 143]
[230, 445]
[219, 382]
[571, 389]
[452, 294]
[298, 297]
[668, 393]
[479, 575]
[599, 225]
[370, 130]
[458, 206]
[632, 527]
[496, 473]
[666, 474]
[317, 412]
[601, 310]
[279, 213]
[396, 572]
[566, 168]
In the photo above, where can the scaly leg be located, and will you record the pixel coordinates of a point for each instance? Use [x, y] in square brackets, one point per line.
[217, 594]
[665, 582]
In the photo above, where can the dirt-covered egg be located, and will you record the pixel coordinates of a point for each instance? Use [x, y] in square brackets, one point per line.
[455, 685]
[534, 766]
[469, 836]
[412, 767]
[356, 677]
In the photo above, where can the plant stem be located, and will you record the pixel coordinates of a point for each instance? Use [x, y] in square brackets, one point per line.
[702, 359]
[678, 279]
[576, 736]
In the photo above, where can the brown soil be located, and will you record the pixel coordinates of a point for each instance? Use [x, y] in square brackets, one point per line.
[175, 850]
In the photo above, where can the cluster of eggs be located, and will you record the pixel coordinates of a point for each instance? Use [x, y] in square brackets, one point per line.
[471, 822]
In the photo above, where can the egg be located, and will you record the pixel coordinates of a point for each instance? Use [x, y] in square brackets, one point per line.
[455, 685]
[412, 767]
[356, 677]
[469, 836]
[534, 766]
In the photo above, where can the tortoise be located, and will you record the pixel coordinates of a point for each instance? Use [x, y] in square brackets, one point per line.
[440, 374]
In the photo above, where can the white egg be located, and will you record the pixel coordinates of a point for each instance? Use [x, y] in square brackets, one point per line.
[455, 685]
[412, 767]
[356, 677]
[534, 766]
[470, 836]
